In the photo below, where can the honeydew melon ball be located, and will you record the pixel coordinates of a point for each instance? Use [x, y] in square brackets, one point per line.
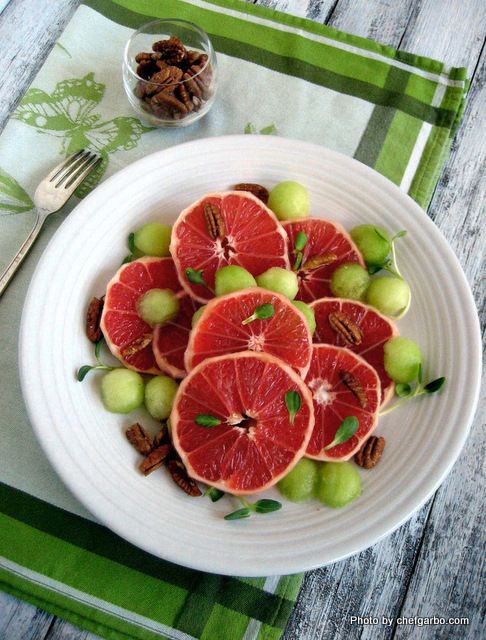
[308, 313]
[122, 390]
[196, 315]
[373, 242]
[157, 306]
[402, 359]
[153, 239]
[299, 484]
[159, 396]
[279, 280]
[391, 295]
[339, 483]
[289, 200]
[232, 278]
[351, 281]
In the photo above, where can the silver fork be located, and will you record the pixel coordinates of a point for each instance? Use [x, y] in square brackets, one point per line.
[51, 194]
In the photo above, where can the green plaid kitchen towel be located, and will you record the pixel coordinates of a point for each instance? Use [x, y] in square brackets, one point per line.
[279, 75]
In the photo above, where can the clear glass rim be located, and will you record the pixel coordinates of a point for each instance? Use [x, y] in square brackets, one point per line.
[141, 30]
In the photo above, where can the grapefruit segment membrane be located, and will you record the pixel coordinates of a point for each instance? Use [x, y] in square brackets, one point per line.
[370, 329]
[224, 328]
[255, 443]
[231, 227]
[328, 246]
[342, 384]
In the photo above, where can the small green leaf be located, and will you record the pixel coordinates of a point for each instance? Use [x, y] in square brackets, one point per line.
[214, 494]
[347, 429]
[127, 259]
[402, 389]
[298, 261]
[98, 347]
[381, 235]
[374, 268]
[131, 242]
[83, 372]
[206, 420]
[300, 240]
[399, 234]
[269, 130]
[195, 276]
[435, 385]
[267, 506]
[293, 402]
[249, 128]
[262, 312]
[238, 514]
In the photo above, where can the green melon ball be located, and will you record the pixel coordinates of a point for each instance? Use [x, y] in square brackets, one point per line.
[391, 296]
[351, 281]
[122, 390]
[402, 359]
[289, 200]
[299, 484]
[373, 242]
[153, 239]
[157, 306]
[308, 313]
[159, 396]
[339, 483]
[279, 280]
[196, 315]
[232, 278]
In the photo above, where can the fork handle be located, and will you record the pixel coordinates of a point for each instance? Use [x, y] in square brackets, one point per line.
[9, 272]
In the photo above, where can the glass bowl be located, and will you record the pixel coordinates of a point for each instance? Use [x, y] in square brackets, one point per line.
[169, 73]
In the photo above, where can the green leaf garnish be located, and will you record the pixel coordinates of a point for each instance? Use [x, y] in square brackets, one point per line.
[127, 259]
[347, 429]
[195, 276]
[131, 242]
[374, 268]
[381, 235]
[214, 494]
[293, 402]
[206, 420]
[298, 261]
[84, 370]
[262, 312]
[435, 385]
[399, 234]
[402, 389]
[267, 506]
[300, 240]
[98, 346]
[238, 514]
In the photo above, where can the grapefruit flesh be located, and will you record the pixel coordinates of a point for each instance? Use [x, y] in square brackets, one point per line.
[170, 339]
[128, 337]
[247, 234]
[327, 243]
[220, 331]
[342, 384]
[374, 330]
[256, 443]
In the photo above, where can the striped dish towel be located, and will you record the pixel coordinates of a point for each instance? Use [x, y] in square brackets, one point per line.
[279, 75]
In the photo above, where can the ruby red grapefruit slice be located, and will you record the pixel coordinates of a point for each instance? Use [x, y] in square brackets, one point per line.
[328, 246]
[127, 335]
[219, 330]
[373, 330]
[256, 442]
[170, 339]
[232, 227]
[342, 384]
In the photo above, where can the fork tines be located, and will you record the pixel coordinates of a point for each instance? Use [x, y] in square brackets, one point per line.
[71, 172]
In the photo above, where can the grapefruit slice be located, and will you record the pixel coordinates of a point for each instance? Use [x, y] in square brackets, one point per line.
[328, 246]
[256, 442]
[170, 339]
[220, 329]
[232, 227]
[128, 337]
[342, 384]
[373, 330]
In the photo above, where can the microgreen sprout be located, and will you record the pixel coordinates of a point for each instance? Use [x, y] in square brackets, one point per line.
[347, 429]
[293, 402]
[260, 506]
[262, 312]
[406, 393]
[214, 494]
[195, 276]
[131, 248]
[206, 420]
[85, 369]
[300, 242]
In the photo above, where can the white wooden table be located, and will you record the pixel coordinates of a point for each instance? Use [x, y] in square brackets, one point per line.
[434, 564]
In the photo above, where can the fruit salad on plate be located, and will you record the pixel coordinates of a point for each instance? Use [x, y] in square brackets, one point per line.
[265, 342]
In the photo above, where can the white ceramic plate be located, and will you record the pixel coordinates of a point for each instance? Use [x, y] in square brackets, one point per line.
[86, 445]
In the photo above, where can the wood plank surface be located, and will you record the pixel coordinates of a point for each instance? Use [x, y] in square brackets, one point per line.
[432, 565]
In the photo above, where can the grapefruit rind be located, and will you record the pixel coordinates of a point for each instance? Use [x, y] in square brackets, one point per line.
[358, 311]
[314, 283]
[191, 245]
[237, 460]
[220, 326]
[334, 401]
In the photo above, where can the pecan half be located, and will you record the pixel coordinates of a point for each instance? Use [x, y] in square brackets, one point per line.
[319, 261]
[354, 385]
[137, 345]
[143, 56]
[162, 437]
[138, 437]
[346, 327]
[93, 318]
[256, 189]
[155, 459]
[179, 475]
[214, 221]
[185, 97]
[370, 453]
[169, 100]
[171, 49]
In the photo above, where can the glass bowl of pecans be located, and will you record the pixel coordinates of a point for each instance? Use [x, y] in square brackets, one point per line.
[169, 73]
